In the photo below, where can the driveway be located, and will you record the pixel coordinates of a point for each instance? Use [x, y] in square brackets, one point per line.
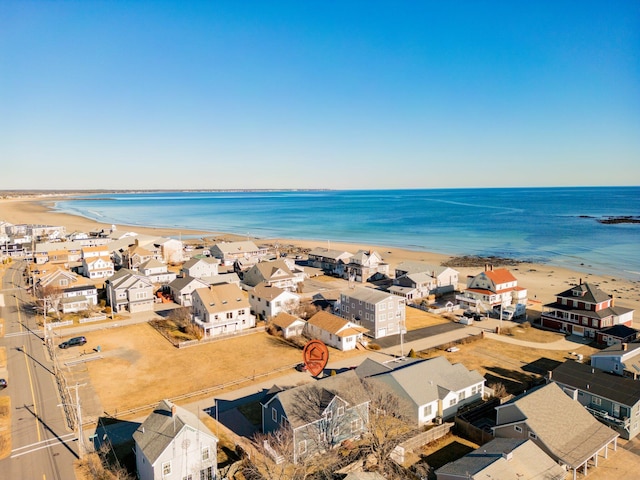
[419, 334]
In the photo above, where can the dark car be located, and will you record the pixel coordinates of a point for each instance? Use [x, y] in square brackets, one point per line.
[301, 367]
[72, 342]
[3, 383]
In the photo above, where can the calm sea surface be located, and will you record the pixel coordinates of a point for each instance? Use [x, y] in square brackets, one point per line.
[550, 225]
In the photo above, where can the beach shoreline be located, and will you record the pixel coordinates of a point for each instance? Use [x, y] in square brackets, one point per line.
[543, 280]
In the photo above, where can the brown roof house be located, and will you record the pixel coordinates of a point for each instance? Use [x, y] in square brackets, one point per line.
[492, 289]
[222, 310]
[559, 425]
[335, 331]
[289, 325]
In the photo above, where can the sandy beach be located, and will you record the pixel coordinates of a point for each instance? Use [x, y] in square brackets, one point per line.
[543, 281]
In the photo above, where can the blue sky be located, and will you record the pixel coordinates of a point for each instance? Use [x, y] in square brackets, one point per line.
[318, 94]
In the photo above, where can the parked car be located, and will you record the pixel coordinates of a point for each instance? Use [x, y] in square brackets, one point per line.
[301, 367]
[72, 342]
[3, 383]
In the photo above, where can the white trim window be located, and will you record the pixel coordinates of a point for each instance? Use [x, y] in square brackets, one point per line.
[166, 468]
[302, 447]
[517, 428]
[205, 454]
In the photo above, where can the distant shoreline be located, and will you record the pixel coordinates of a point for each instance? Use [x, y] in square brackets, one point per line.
[542, 280]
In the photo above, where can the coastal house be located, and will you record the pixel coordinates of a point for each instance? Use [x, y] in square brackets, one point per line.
[171, 250]
[134, 255]
[222, 310]
[334, 331]
[443, 279]
[182, 288]
[559, 425]
[172, 443]
[54, 277]
[616, 334]
[275, 274]
[157, 272]
[129, 291]
[229, 252]
[620, 358]
[78, 298]
[433, 389]
[379, 312]
[203, 268]
[97, 267]
[611, 399]
[331, 262]
[289, 325]
[57, 252]
[503, 458]
[584, 310]
[365, 265]
[267, 301]
[320, 415]
[492, 289]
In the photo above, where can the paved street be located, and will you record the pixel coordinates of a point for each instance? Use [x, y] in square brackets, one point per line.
[43, 447]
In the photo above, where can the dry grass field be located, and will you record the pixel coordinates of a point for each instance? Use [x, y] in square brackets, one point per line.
[515, 366]
[140, 367]
[415, 319]
[5, 426]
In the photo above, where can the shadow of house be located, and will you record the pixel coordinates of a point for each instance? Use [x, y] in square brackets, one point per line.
[541, 366]
[115, 438]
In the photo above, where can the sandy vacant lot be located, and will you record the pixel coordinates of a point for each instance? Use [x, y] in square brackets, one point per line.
[139, 366]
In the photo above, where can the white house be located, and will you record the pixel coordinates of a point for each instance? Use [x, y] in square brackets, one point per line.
[182, 288]
[129, 292]
[268, 301]
[78, 298]
[222, 310]
[276, 273]
[365, 265]
[288, 324]
[492, 289]
[229, 252]
[334, 331]
[157, 271]
[172, 443]
[172, 250]
[97, 267]
[201, 267]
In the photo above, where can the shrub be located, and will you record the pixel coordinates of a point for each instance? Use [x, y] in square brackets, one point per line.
[374, 346]
[107, 310]
[412, 354]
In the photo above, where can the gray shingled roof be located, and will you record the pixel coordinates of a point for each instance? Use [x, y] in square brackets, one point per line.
[300, 411]
[159, 429]
[588, 293]
[622, 390]
[368, 295]
[570, 433]
[527, 461]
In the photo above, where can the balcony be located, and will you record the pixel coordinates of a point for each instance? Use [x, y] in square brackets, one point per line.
[606, 418]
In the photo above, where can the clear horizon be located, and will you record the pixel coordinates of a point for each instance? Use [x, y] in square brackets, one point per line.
[166, 95]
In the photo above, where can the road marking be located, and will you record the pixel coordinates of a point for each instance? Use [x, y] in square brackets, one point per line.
[48, 440]
[26, 356]
[42, 447]
[16, 334]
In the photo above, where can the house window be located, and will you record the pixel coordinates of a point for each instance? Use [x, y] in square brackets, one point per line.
[166, 469]
[336, 431]
[188, 477]
[596, 401]
[205, 454]
[462, 395]
[206, 473]
[533, 435]
[340, 411]
[453, 401]
[302, 447]
[426, 410]
[274, 415]
[229, 315]
[356, 425]
[517, 428]
[329, 415]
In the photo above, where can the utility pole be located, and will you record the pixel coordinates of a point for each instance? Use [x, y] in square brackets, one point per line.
[79, 420]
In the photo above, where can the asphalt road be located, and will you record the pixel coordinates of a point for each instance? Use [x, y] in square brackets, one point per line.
[42, 446]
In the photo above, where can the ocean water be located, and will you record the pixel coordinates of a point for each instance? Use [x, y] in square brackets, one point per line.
[549, 225]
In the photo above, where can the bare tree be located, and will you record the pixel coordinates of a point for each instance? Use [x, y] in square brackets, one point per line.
[48, 298]
[181, 316]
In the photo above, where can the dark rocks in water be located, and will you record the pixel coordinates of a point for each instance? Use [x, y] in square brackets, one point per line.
[478, 261]
[620, 219]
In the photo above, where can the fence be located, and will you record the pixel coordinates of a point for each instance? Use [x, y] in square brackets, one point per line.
[191, 343]
[419, 440]
[95, 318]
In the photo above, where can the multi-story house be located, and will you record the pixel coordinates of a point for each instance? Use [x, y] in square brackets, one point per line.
[182, 288]
[276, 274]
[128, 291]
[612, 399]
[172, 443]
[332, 262]
[268, 301]
[78, 298]
[492, 289]
[584, 310]
[320, 415]
[559, 425]
[201, 267]
[229, 252]
[433, 389]
[365, 265]
[157, 272]
[443, 279]
[222, 310]
[379, 312]
[97, 267]
[620, 358]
